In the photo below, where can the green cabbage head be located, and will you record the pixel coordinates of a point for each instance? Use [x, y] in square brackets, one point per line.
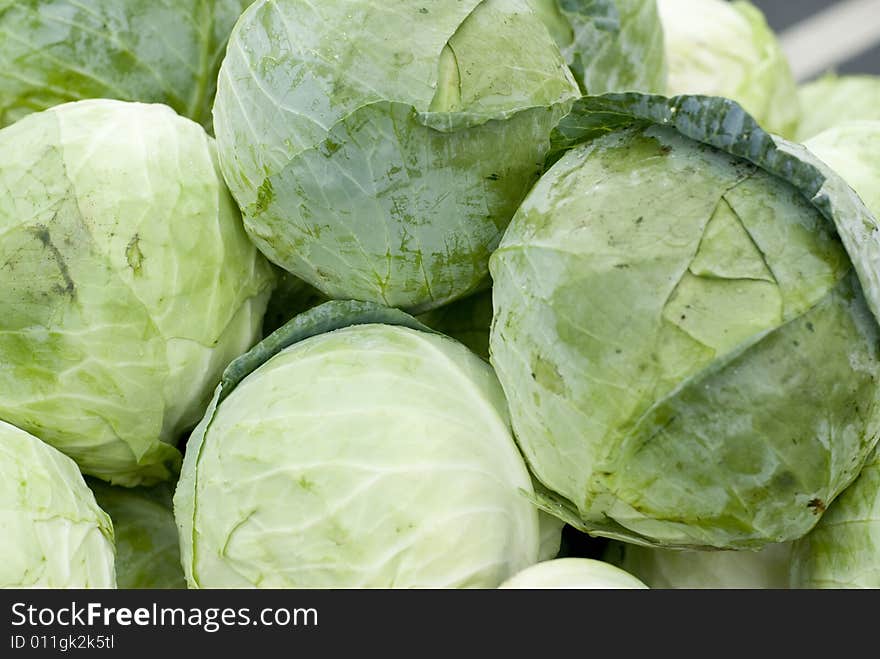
[52, 532]
[128, 283]
[155, 51]
[355, 448]
[573, 573]
[610, 45]
[379, 149]
[721, 48]
[685, 326]
[835, 99]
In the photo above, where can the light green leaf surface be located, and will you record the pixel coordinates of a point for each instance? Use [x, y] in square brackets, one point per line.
[128, 283]
[852, 149]
[52, 532]
[843, 551]
[409, 479]
[686, 337]
[835, 99]
[153, 51]
[550, 528]
[573, 573]
[721, 48]
[378, 150]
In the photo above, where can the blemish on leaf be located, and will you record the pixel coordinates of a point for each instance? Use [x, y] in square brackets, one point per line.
[134, 255]
[41, 232]
[265, 196]
[329, 147]
[547, 375]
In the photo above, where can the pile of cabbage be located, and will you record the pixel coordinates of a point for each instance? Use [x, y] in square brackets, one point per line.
[436, 294]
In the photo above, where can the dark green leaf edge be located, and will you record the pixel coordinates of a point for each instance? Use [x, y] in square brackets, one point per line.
[327, 317]
[725, 125]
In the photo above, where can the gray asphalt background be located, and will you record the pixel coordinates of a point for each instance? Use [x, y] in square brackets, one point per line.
[784, 13]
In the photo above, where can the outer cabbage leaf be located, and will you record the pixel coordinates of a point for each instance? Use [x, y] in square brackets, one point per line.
[702, 378]
[852, 149]
[832, 100]
[409, 479]
[52, 532]
[610, 45]
[158, 51]
[378, 150]
[147, 548]
[721, 48]
[843, 551]
[551, 535]
[129, 283]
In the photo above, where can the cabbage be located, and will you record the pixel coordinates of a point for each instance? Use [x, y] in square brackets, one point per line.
[158, 51]
[685, 327]
[52, 533]
[720, 48]
[378, 150]
[852, 149]
[832, 100]
[355, 448]
[610, 45]
[585, 573]
[550, 529]
[128, 283]
[843, 551]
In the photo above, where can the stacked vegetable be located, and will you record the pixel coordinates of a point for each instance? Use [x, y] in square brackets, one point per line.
[488, 292]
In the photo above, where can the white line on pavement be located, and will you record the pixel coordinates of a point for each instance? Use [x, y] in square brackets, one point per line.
[831, 37]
